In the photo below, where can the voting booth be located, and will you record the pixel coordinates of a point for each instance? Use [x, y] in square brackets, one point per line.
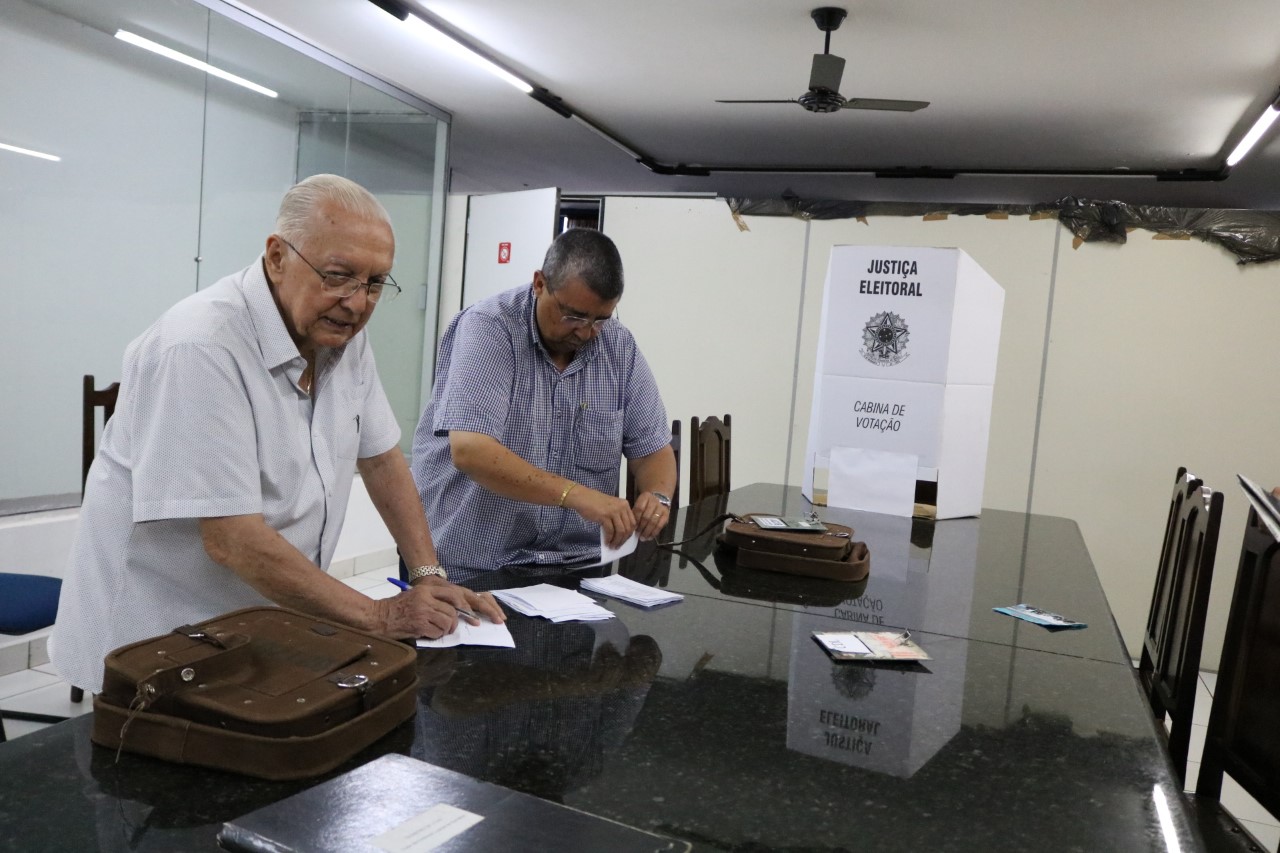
[903, 381]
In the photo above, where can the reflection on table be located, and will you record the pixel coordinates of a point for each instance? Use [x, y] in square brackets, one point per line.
[719, 721]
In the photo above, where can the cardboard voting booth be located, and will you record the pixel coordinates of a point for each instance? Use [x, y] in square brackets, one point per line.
[906, 365]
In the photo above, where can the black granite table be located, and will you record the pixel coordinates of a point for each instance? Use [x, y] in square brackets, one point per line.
[719, 721]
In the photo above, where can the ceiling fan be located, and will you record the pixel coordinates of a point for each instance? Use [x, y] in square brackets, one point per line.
[824, 78]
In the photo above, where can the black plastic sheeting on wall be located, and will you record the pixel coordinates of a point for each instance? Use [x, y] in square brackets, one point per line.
[1253, 236]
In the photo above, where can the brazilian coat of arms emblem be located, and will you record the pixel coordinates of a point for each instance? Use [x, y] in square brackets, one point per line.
[884, 339]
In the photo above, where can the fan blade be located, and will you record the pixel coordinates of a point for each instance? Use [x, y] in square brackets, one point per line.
[880, 104]
[827, 71]
[791, 101]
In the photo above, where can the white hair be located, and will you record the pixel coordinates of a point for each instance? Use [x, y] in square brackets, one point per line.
[305, 197]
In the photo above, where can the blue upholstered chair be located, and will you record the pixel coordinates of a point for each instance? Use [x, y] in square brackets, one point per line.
[29, 603]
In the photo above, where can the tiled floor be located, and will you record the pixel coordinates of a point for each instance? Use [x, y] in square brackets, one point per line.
[41, 691]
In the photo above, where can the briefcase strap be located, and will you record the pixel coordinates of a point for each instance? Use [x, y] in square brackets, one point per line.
[715, 522]
[179, 677]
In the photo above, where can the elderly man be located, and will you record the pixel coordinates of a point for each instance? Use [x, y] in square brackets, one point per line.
[222, 479]
[539, 394]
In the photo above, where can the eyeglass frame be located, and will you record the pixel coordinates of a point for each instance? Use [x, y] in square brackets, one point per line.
[367, 285]
[577, 320]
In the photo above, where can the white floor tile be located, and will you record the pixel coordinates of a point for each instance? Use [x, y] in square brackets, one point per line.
[45, 667]
[21, 682]
[1193, 773]
[14, 658]
[1204, 703]
[17, 728]
[1195, 747]
[1210, 680]
[1268, 836]
[365, 583]
[51, 699]
[1244, 807]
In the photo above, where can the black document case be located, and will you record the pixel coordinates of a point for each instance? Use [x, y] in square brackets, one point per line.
[345, 813]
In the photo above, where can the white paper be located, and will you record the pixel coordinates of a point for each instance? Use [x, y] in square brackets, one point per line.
[608, 555]
[487, 633]
[846, 642]
[552, 602]
[629, 590]
[872, 480]
[426, 831]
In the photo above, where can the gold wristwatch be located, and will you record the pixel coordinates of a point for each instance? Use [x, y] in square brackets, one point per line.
[436, 570]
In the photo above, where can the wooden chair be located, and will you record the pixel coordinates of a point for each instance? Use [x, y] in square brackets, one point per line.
[709, 457]
[1243, 737]
[1170, 664]
[675, 493]
[93, 400]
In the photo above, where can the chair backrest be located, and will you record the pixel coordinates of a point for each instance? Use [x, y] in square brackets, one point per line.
[709, 457]
[1243, 737]
[675, 493]
[1170, 664]
[94, 399]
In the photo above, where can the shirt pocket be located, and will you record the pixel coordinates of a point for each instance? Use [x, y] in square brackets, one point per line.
[598, 440]
[347, 440]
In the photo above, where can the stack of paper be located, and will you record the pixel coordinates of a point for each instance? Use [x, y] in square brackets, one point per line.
[628, 590]
[552, 602]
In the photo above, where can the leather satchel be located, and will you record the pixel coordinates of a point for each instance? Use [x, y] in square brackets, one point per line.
[832, 553]
[264, 691]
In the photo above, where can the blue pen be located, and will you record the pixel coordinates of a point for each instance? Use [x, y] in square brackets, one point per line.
[461, 612]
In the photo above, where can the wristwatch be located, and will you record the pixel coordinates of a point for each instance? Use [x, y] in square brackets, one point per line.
[428, 571]
[662, 499]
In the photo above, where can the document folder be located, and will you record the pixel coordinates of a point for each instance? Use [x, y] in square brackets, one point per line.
[392, 795]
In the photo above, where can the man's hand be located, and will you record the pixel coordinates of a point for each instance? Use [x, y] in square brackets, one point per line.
[651, 515]
[430, 609]
[612, 514]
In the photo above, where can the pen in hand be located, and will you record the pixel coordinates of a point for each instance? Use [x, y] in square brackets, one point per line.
[461, 611]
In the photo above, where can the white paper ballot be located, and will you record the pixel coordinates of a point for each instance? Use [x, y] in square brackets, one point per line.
[629, 590]
[487, 633]
[608, 555]
[426, 831]
[872, 480]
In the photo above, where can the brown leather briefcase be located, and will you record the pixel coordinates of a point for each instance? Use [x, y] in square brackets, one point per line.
[831, 554]
[263, 691]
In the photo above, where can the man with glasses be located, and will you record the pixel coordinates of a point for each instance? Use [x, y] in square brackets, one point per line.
[540, 391]
[223, 477]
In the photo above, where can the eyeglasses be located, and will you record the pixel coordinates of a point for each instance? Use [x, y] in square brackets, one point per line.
[578, 321]
[342, 285]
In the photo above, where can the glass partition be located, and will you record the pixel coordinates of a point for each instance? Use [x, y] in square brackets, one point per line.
[168, 180]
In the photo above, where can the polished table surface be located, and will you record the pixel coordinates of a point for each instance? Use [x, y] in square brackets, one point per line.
[719, 721]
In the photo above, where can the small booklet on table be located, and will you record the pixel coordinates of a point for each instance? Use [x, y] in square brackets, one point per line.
[1040, 617]
[870, 645]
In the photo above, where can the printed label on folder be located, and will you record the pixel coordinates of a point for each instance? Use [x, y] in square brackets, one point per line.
[426, 831]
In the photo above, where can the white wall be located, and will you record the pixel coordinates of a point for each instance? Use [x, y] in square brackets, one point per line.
[1145, 352]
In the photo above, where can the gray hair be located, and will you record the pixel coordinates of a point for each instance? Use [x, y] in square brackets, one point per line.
[586, 254]
[305, 197]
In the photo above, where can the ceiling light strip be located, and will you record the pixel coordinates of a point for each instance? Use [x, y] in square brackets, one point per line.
[169, 53]
[437, 36]
[43, 156]
[1261, 126]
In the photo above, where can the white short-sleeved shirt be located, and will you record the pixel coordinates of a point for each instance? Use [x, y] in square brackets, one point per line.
[211, 422]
